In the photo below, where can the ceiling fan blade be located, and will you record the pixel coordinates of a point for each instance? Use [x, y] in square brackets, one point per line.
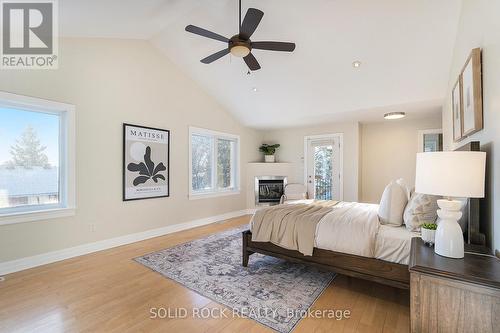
[250, 22]
[215, 56]
[274, 46]
[205, 33]
[251, 62]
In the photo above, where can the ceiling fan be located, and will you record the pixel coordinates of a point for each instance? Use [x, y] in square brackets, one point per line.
[241, 45]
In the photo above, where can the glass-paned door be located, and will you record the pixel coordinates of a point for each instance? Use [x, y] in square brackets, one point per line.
[323, 168]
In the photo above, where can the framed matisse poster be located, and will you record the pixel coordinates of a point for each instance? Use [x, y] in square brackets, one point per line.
[456, 107]
[146, 162]
[472, 100]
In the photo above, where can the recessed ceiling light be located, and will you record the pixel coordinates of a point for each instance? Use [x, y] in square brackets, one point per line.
[356, 64]
[394, 115]
[254, 89]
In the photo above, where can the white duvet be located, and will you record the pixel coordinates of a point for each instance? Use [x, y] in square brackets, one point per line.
[350, 227]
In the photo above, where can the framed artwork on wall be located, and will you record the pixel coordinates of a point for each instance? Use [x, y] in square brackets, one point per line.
[472, 100]
[456, 107]
[146, 162]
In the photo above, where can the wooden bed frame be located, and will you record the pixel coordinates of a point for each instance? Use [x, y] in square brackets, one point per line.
[376, 270]
[392, 274]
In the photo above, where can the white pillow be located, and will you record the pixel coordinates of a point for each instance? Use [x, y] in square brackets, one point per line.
[405, 187]
[392, 204]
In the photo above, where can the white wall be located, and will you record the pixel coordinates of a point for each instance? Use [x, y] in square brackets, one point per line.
[388, 151]
[292, 150]
[374, 153]
[479, 26]
[111, 82]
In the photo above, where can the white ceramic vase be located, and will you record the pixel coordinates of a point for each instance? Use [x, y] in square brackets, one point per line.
[449, 236]
[428, 236]
[269, 158]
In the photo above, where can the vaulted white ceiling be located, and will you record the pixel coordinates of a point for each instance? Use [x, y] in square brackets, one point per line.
[405, 48]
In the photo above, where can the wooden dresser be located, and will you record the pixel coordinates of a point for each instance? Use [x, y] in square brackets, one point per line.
[453, 295]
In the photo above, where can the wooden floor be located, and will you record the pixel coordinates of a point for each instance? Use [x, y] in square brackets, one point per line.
[107, 291]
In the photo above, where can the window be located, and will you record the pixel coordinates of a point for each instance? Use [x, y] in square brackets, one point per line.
[214, 163]
[36, 159]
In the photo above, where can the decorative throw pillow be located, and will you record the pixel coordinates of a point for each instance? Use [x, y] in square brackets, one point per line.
[392, 204]
[422, 208]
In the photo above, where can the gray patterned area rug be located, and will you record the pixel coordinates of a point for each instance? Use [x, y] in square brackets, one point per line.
[271, 291]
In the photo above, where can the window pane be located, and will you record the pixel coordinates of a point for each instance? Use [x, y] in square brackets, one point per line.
[202, 157]
[29, 158]
[225, 158]
[323, 172]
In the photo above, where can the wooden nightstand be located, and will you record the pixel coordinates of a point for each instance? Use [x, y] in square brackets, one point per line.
[453, 295]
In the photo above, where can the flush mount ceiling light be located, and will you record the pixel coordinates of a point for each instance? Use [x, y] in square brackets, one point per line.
[394, 115]
[255, 89]
[356, 64]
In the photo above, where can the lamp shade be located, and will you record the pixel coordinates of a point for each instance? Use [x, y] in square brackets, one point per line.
[453, 174]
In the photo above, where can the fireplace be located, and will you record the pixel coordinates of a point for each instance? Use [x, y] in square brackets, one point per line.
[269, 189]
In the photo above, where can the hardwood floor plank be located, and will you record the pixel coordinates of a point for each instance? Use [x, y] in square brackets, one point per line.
[109, 292]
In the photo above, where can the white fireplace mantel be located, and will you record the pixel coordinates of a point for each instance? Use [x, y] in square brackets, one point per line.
[256, 169]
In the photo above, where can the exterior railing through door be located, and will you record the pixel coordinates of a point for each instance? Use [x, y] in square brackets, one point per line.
[323, 188]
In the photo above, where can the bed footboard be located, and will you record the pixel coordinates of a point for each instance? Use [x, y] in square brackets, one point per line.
[395, 275]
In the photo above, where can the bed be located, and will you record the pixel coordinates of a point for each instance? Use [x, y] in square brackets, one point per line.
[382, 256]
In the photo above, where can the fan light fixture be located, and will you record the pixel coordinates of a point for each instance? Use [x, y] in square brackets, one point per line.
[240, 51]
[394, 115]
[240, 45]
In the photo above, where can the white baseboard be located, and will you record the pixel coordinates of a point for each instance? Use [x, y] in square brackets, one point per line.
[50, 257]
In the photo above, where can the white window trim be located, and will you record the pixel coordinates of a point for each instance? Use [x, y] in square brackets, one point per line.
[66, 153]
[217, 193]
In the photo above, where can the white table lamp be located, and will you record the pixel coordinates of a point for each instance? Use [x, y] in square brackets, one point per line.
[450, 174]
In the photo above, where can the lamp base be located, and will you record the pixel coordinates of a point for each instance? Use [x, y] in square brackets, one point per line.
[449, 236]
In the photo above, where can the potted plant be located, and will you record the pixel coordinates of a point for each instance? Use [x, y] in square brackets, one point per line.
[269, 151]
[428, 232]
